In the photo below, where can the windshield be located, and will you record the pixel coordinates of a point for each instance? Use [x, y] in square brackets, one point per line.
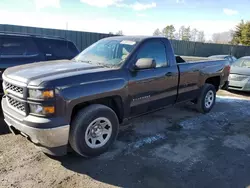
[242, 63]
[108, 52]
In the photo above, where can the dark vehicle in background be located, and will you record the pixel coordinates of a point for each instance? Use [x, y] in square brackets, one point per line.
[239, 78]
[19, 49]
[230, 58]
[82, 102]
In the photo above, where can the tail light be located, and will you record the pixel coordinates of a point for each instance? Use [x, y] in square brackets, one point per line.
[228, 68]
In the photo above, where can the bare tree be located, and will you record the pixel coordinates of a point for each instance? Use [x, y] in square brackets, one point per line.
[210, 41]
[201, 36]
[177, 36]
[184, 33]
[223, 37]
[120, 32]
[157, 32]
[169, 31]
[194, 34]
[216, 37]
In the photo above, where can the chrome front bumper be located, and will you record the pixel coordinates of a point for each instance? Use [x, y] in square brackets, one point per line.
[49, 134]
[52, 141]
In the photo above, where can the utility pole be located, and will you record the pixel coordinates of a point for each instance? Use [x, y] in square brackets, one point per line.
[66, 34]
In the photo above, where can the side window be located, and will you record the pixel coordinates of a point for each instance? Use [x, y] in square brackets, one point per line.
[17, 46]
[58, 49]
[229, 59]
[124, 51]
[233, 58]
[155, 50]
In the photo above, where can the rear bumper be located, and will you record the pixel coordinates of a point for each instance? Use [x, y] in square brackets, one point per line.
[53, 141]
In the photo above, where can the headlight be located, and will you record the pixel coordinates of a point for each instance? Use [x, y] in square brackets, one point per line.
[41, 94]
[41, 110]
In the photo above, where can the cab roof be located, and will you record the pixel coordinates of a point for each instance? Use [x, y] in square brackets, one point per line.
[135, 38]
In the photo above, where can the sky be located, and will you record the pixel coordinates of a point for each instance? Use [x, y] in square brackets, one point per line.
[133, 17]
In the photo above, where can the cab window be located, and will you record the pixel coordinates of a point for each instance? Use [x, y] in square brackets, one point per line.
[155, 50]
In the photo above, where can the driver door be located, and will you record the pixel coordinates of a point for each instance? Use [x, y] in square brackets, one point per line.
[154, 88]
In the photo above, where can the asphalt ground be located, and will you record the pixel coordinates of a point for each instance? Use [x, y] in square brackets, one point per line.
[174, 147]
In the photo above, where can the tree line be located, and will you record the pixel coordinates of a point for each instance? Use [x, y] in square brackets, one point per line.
[184, 33]
[240, 35]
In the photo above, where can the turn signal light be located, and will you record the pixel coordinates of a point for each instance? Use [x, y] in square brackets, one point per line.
[49, 109]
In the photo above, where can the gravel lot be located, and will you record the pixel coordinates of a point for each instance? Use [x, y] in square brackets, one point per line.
[175, 147]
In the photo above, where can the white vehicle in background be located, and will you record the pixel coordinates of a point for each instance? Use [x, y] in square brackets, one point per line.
[230, 58]
[239, 78]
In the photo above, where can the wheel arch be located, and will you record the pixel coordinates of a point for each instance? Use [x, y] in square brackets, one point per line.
[215, 81]
[113, 102]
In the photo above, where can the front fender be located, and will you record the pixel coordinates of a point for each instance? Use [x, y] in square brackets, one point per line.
[90, 91]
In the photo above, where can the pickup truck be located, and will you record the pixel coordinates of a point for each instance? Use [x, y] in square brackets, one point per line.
[80, 103]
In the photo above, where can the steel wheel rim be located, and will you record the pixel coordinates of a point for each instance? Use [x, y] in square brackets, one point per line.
[98, 132]
[209, 99]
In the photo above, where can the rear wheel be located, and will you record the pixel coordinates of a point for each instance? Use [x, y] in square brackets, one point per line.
[206, 99]
[93, 130]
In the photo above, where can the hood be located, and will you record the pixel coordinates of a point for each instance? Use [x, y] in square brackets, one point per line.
[44, 70]
[240, 70]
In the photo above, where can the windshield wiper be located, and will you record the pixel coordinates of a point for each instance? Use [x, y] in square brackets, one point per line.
[93, 63]
[84, 61]
[96, 63]
[100, 64]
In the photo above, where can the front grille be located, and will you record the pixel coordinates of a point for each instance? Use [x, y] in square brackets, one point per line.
[13, 88]
[235, 77]
[16, 104]
[1, 87]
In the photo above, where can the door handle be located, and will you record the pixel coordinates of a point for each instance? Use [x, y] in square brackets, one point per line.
[169, 74]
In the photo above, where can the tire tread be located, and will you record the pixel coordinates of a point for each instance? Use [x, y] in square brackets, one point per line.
[77, 121]
[200, 104]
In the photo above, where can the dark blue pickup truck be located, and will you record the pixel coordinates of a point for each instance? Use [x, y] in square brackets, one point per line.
[81, 103]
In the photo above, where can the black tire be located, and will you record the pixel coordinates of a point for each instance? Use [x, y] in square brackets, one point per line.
[225, 86]
[201, 107]
[80, 124]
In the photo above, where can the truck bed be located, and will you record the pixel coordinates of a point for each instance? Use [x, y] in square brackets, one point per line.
[190, 59]
[195, 70]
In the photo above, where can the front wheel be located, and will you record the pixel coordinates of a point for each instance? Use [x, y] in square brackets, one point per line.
[93, 130]
[206, 99]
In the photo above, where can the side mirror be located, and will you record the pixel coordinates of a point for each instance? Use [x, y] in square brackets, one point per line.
[145, 63]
